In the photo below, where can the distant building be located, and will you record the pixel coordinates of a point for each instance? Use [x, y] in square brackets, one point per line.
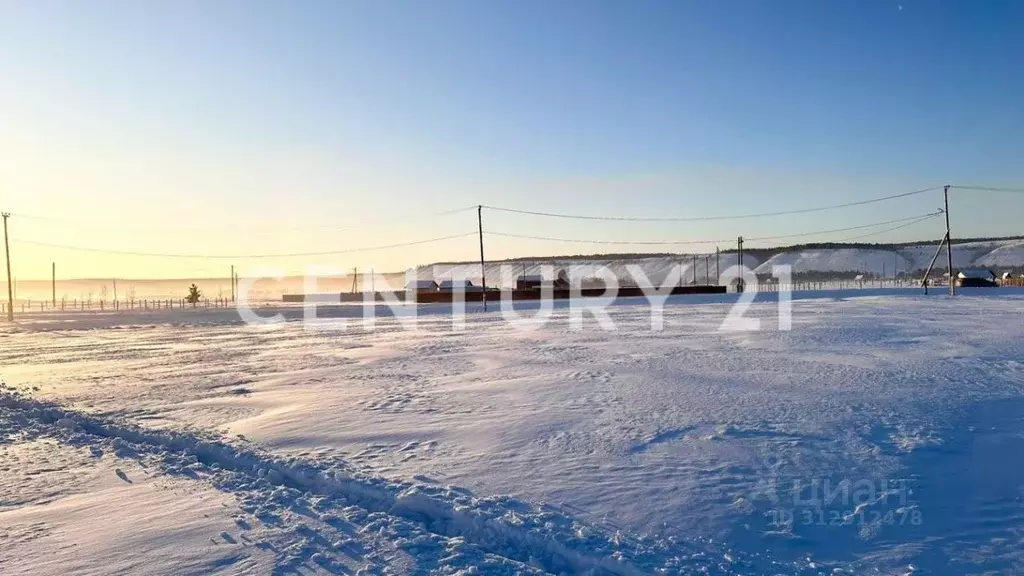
[421, 286]
[536, 282]
[976, 278]
[1011, 279]
[457, 285]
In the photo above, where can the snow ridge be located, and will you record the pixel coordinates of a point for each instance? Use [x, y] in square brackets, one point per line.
[438, 529]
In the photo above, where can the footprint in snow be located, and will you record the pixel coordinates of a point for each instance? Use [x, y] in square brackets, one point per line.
[122, 475]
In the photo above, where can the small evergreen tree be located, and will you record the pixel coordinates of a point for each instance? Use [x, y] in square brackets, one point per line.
[193, 295]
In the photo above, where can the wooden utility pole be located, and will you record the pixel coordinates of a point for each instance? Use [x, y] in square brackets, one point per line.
[53, 282]
[10, 285]
[707, 269]
[949, 244]
[739, 249]
[928, 272]
[232, 282]
[483, 272]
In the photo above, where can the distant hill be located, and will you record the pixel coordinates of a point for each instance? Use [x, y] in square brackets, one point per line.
[821, 260]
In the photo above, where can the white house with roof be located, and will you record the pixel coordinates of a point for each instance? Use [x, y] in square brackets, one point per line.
[976, 277]
[976, 273]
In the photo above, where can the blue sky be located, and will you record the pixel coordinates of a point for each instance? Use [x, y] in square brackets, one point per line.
[141, 119]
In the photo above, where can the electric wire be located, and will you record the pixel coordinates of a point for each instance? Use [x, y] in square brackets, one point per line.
[247, 230]
[237, 256]
[710, 218]
[989, 189]
[914, 219]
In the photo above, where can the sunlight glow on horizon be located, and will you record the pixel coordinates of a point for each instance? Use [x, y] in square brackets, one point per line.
[273, 124]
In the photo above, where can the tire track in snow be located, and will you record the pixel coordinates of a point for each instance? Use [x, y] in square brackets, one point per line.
[530, 538]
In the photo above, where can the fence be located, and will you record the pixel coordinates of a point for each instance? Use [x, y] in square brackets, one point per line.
[145, 305]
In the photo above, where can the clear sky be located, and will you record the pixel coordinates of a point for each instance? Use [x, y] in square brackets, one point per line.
[245, 127]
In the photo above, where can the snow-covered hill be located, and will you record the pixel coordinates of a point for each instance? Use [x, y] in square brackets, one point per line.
[838, 260]
[993, 254]
[998, 255]
[655, 268]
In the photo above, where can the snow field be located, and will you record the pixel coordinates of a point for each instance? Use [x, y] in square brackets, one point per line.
[334, 518]
[872, 437]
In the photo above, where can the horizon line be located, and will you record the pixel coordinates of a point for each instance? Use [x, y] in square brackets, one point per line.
[595, 256]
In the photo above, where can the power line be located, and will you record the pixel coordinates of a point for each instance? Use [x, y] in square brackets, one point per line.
[252, 231]
[861, 227]
[583, 241]
[989, 189]
[893, 229]
[914, 219]
[706, 218]
[237, 256]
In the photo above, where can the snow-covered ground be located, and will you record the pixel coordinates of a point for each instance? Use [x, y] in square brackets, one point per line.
[882, 434]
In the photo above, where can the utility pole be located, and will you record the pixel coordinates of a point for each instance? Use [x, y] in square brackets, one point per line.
[718, 271]
[694, 269]
[949, 244]
[483, 272]
[707, 269]
[53, 282]
[232, 282]
[7, 252]
[928, 272]
[115, 289]
[739, 249]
